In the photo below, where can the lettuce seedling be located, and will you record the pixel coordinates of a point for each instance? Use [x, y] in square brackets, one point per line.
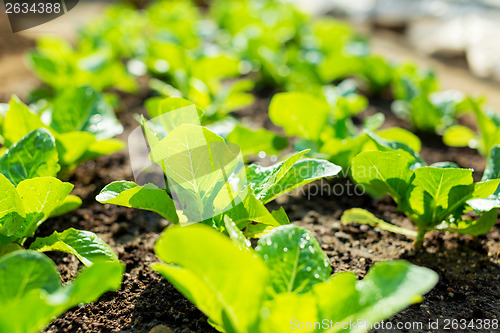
[61, 66]
[32, 294]
[26, 206]
[293, 52]
[31, 195]
[267, 37]
[179, 20]
[251, 142]
[80, 119]
[34, 156]
[418, 100]
[208, 183]
[325, 126]
[433, 198]
[488, 122]
[199, 79]
[286, 277]
[338, 44]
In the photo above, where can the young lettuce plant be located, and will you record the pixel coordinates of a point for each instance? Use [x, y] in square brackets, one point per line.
[337, 43]
[61, 66]
[208, 180]
[35, 156]
[251, 142]
[434, 198]
[418, 100]
[80, 119]
[266, 35]
[325, 125]
[488, 122]
[32, 293]
[199, 79]
[31, 290]
[177, 19]
[31, 195]
[285, 280]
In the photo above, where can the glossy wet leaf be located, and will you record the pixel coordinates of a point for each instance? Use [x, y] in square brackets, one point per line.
[388, 288]
[273, 181]
[295, 259]
[148, 197]
[84, 109]
[85, 245]
[251, 302]
[35, 155]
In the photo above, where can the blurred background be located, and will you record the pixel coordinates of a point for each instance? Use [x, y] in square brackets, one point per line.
[458, 39]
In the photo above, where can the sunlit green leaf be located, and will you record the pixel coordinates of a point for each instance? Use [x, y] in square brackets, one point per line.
[295, 259]
[85, 245]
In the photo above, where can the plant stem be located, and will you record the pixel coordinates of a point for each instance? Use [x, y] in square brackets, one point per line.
[362, 216]
[396, 229]
[420, 239]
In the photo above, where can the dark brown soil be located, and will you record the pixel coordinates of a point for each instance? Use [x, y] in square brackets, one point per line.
[469, 268]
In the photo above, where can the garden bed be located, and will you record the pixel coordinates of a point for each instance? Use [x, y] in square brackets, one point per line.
[468, 267]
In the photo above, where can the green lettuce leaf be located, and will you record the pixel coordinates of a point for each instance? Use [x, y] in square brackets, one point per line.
[274, 287]
[35, 155]
[273, 181]
[85, 245]
[384, 172]
[198, 275]
[252, 142]
[293, 268]
[300, 114]
[84, 109]
[32, 294]
[148, 197]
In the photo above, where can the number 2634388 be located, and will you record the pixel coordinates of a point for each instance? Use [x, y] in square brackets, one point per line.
[33, 8]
